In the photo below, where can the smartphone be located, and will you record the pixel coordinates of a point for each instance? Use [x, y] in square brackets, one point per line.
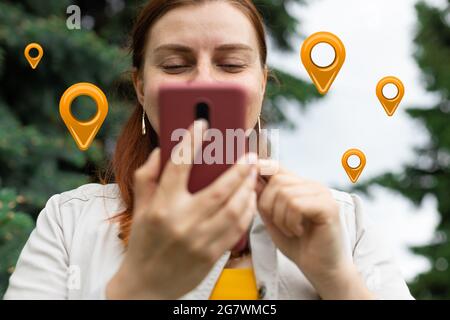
[223, 106]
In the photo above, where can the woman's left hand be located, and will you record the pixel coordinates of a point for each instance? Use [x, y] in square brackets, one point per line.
[302, 218]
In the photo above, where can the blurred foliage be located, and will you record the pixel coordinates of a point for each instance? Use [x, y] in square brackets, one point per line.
[38, 157]
[429, 174]
[15, 226]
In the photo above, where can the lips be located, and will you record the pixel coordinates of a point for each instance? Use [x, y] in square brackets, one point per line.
[241, 244]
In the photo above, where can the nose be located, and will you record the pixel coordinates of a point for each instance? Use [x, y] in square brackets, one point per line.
[204, 72]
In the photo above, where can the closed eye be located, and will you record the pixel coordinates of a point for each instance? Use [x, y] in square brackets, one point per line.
[234, 68]
[178, 68]
[175, 68]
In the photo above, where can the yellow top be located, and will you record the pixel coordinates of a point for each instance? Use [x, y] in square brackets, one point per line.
[235, 284]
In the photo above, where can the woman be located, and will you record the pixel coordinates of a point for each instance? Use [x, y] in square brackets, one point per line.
[304, 241]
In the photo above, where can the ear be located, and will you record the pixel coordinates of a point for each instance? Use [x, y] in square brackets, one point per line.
[138, 83]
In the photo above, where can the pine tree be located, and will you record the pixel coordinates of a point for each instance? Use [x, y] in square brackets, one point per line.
[14, 229]
[38, 157]
[429, 174]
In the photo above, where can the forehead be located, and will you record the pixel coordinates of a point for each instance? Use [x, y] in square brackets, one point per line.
[203, 26]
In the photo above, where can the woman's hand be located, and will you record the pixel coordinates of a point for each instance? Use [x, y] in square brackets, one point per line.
[176, 236]
[303, 220]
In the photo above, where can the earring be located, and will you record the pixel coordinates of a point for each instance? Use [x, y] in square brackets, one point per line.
[259, 124]
[144, 131]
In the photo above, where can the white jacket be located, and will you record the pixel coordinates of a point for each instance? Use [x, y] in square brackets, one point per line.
[74, 250]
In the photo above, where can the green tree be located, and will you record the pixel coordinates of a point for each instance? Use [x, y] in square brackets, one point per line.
[429, 174]
[38, 157]
[14, 229]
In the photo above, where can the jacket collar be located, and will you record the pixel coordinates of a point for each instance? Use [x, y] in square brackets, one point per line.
[265, 266]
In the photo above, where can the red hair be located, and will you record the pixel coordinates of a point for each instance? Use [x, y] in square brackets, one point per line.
[132, 148]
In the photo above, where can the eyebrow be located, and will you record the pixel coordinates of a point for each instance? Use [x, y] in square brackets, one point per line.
[223, 47]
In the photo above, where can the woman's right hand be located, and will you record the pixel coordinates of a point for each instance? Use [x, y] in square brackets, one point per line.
[177, 237]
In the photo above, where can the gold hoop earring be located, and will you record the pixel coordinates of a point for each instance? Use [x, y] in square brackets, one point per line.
[144, 131]
[259, 124]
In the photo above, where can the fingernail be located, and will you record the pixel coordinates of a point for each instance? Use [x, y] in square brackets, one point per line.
[268, 167]
[252, 158]
[201, 124]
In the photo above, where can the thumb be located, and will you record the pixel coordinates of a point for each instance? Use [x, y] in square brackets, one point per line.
[269, 167]
[146, 179]
[277, 236]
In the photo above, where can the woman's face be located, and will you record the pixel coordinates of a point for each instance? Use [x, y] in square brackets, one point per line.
[213, 42]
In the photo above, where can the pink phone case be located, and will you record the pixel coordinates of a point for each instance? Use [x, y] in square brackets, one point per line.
[181, 104]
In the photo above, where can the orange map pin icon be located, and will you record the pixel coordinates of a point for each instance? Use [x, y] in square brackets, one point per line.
[33, 61]
[323, 77]
[83, 132]
[354, 172]
[390, 105]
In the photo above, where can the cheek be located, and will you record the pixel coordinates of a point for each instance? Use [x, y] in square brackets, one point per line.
[151, 86]
[254, 102]
[151, 105]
